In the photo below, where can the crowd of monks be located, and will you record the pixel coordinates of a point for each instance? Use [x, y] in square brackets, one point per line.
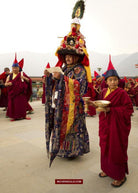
[130, 85]
[15, 92]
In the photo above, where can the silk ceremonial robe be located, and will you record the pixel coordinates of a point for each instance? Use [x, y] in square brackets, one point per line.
[18, 95]
[65, 125]
[114, 128]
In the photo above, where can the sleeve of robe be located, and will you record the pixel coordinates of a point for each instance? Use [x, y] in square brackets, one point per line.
[2, 76]
[29, 87]
[80, 76]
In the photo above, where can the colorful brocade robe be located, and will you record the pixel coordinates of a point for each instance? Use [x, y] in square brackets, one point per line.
[65, 124]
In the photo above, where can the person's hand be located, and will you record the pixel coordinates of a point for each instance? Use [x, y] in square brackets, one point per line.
[22, 77]
[8, 84]
[46, 73]
[107, 109]
[91, 103]
[57, 75]
[131, 95]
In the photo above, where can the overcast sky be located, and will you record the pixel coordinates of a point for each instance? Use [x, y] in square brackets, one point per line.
[109, 26]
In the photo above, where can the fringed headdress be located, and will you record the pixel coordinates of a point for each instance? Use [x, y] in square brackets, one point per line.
[74, 42]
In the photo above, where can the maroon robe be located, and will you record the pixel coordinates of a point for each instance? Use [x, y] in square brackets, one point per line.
[131, 93]
[114, 128]
[136, 95]
[29, 108]
[103, 85]
[43, 95]
[90, 93]
[121, 83]
[18, 96]
[4, 93]
[97, 89]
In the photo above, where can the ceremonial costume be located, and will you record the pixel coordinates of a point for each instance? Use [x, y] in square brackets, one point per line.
[65, 121]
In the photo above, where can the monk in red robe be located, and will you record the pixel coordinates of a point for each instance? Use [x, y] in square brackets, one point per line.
[43, 81]
[18, 93]
[90, 93]
[43, 95]
[114, 128]
[97, 85]
[136, 94]
[4, 93]
[131, 92]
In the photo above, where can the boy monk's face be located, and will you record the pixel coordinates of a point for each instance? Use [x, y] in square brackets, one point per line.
[112, 82]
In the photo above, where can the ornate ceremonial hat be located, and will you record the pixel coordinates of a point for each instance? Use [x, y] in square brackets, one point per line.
[104, 74]
[21, 63]
[96, 75]
[111, 70]
[74, 42]
[15, 63]
[48, 65]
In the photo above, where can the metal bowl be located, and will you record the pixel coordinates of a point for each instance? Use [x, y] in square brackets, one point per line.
[101, 103]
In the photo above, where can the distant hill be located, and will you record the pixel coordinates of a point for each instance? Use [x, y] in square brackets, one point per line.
[34, 63]
[101, 60]
[127, 66]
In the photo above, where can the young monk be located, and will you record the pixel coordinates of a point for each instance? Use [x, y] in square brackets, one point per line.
[114, 128]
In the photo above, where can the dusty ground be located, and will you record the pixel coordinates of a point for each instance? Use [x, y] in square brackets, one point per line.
[24, 163]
